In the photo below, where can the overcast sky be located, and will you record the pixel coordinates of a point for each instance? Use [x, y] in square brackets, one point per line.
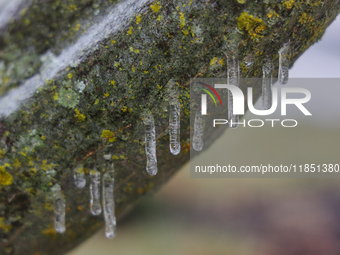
[323, 58]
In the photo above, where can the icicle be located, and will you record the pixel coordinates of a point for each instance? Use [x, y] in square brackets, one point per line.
[109, 205]
[233, 79]
[174, 120]
[79, 177]
[150, 144]
[284, 59]
[197, 143]
[267, 82]
[94, 192]
[59, 209]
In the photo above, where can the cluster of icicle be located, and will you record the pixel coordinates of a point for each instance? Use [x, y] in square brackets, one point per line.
[174, 130]
[108, 204]
[233, 77]
[107, 179]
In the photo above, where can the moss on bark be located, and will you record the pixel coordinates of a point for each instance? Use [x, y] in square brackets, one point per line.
[80, 77]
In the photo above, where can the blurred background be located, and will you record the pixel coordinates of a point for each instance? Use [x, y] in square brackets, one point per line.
[245, 216]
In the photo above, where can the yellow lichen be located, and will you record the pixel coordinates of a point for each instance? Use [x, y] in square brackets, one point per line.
[55, 97]
[130, 31]
[213, 61]
[16, 164]
[72, 7]
[79, 116]
[182, 19]
[124, 109]
[289, 4]
[272, 14]
[6, 178]
[50, 232]
[252, 25]
[70, 75]
[156, 6]
[49, 206]
[305, 18]
[2, 153]
[4, 226]
[140, 190]
[108, 134]
[185, 32]
[138, 18]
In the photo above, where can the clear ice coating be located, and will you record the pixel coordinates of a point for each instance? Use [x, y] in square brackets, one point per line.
[233, 76]
[150, 144]
[79, 177]
[197, 141]
[284, 59]
[109, 205]
[59, 209]
[267, 82]
[174, 120]
[95, 193]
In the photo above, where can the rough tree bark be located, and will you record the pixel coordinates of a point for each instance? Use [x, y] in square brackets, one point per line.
[75, 77]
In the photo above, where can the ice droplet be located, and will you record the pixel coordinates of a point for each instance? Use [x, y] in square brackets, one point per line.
[197, 143]
[233, 78]
[174, 120]
[107, 156]
[150, 144]
[249, 60]
[109, 205]
[79, 177]
[94, 193]
[59, 209]
[284, 59]
[267, 82]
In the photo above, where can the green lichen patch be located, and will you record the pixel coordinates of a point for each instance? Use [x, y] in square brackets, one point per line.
[68, 98]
